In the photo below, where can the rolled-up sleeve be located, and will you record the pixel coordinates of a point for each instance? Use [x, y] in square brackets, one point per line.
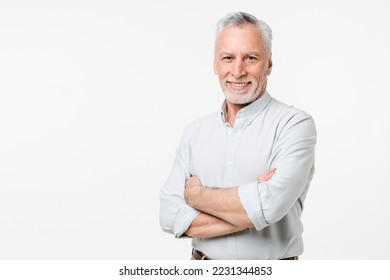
[176, 215]
[293, 156]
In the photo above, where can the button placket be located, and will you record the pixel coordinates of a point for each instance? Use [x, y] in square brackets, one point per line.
[232, 145]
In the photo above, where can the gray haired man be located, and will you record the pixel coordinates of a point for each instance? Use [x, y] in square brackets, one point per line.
[241, 175]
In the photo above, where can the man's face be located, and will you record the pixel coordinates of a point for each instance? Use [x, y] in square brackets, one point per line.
[242, 63]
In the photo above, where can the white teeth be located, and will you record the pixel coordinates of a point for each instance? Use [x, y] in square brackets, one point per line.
[239, 84]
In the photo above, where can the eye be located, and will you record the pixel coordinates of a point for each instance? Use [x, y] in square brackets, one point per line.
[227, 58]
[251, 58]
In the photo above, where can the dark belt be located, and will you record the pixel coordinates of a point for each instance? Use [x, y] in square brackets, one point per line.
[198, 255]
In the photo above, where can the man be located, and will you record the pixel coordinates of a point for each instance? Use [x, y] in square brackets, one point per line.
[215, 193]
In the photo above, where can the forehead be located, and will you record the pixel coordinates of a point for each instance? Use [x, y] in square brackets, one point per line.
[239, 38]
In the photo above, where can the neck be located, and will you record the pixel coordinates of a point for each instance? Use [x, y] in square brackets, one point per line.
[232, 110]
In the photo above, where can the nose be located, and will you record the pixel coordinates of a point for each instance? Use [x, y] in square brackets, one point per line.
[238, 68]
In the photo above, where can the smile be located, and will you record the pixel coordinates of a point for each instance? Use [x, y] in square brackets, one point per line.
[239, 85]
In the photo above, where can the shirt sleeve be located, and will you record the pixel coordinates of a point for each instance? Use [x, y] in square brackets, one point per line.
[176, 215]
[293, 157]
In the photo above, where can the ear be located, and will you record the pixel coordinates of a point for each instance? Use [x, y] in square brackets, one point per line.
[270, 64]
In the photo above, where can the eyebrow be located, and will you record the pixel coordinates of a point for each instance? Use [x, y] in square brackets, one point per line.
[250, 53]
[223, 53]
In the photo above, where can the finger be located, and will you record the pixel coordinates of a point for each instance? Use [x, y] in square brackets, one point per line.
[193, 181]
[268, 175]
[265, 178]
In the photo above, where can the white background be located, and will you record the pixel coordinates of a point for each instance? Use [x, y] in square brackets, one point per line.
[94, 96]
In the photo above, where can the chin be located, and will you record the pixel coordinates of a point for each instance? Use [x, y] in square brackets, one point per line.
[241, 99]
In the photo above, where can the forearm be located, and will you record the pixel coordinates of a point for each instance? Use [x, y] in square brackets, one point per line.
[207, 226]
[223, 203]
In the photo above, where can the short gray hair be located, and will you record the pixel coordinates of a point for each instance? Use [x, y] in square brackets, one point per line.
[241, 18]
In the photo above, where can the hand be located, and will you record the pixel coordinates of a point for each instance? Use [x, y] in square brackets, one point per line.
[193, 186]
[267, 175]
[193, 181]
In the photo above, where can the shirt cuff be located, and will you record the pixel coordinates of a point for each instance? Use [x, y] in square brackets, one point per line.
[183, 220]
[250, 199]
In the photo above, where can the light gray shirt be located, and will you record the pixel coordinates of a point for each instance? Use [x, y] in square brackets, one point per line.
[266, 134]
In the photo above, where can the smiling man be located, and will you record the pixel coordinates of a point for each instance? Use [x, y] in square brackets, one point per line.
[241, 175]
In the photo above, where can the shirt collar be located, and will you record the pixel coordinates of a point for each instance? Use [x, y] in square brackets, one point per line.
[250, 112]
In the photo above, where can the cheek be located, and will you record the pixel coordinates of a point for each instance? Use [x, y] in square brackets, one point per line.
[262, 74]
[223, 69]
[222, 73]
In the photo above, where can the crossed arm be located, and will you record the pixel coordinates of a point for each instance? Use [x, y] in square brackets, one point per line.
[221, 210]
